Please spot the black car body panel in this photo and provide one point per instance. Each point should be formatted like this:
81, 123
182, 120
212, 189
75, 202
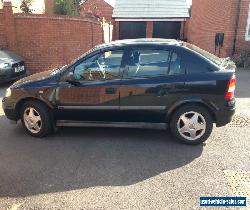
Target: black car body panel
127, 98
14, 67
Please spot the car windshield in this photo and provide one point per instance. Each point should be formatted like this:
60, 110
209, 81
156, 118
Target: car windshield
216, 60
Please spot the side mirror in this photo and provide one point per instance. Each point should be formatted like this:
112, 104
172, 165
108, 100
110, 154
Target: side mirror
69, 77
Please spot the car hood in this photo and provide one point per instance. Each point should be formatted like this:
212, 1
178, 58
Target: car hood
9, 57
34, 78
6, 60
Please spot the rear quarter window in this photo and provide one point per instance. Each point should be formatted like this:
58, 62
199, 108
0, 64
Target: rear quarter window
196, 64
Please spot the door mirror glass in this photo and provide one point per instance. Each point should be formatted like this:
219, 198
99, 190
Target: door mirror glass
68, 77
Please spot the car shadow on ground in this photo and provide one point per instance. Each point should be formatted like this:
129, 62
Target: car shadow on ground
77, 158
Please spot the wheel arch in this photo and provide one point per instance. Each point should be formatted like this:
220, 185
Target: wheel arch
23, 100
209, 107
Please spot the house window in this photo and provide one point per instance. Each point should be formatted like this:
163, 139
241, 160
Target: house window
248, 26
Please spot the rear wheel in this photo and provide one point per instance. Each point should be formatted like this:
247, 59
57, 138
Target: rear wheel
191, 124
36, 118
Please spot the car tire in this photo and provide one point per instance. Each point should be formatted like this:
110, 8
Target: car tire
191, 124
36, 118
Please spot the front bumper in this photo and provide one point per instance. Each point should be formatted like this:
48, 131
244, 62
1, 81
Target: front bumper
9, 109
8, 75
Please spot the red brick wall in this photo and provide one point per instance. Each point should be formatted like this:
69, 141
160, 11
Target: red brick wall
47, 42
209, 17
3, 42
116, 30
149, 29
103, 9
241, 43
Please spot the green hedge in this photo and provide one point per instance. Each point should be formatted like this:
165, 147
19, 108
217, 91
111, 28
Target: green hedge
243, 60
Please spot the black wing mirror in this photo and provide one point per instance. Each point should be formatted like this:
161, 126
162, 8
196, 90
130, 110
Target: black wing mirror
69, 77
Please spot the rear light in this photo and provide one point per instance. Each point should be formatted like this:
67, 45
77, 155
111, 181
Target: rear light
229, 95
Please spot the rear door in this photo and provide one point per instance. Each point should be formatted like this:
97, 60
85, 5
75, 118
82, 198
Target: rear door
203, 79
153, 79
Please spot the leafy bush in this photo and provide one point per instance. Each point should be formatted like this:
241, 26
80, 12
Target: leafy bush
68, 7
243, 60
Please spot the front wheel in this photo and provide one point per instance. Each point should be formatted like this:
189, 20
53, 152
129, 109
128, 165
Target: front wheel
191, 124
36, 118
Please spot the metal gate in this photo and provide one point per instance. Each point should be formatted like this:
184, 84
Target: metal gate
167, 29
132, 29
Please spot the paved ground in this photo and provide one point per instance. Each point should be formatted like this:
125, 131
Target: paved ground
123, 168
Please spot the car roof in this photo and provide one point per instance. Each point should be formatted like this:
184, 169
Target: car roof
150, 41
128, 42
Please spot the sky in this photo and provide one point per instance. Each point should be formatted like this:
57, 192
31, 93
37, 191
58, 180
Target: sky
112, 2
40, 4
37, 6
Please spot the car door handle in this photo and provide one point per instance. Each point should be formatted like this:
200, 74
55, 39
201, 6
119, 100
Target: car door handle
110, 90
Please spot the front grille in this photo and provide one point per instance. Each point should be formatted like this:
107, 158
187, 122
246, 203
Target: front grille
21, 63
16, 74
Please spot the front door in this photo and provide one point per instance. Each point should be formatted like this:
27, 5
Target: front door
96, 95
152, 80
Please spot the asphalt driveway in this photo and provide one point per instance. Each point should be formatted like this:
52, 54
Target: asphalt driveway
102, 168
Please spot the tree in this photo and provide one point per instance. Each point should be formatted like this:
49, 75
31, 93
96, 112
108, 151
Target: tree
68, 7
78, 4
25, 6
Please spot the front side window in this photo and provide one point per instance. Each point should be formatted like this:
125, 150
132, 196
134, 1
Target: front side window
151, 63
102, 66
248, 26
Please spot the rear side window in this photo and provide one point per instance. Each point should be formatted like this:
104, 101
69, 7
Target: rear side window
195, 64
175, 65
151, 63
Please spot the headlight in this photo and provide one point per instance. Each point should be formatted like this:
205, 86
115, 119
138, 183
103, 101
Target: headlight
4, 65
8, 92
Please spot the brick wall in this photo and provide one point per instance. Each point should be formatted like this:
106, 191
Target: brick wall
209, 17
241, 43
47, 42
149, 29
116, 30
3, 42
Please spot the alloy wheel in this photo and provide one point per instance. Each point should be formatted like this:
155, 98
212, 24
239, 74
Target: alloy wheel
32, 120
191, 125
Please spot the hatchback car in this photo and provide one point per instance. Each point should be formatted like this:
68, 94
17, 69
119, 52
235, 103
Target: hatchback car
143, 83
11, 66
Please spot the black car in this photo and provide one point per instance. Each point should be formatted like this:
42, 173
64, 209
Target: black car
11, 66
143, 83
